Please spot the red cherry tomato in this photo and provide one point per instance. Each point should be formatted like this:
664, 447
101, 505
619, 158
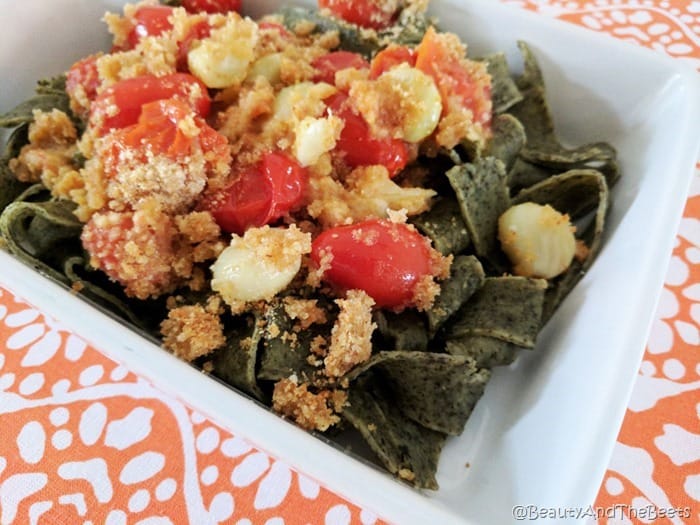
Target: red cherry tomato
288, 180
389, 57
157, 132
149, 20
385, 259
120, 105
445, 64
212, 6
197, 31
376, 14
357, 145
83, 75
273, 26
328, 65
260, 194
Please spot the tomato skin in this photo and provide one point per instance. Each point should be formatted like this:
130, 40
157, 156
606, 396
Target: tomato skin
273, 26
391, 56
288, 181
329, 64
244, 204
157, 132
365, 13
129, 95
435, 57
198, 31
83, 74
357, 145
260, 194
149, 20
212, 6
385, 259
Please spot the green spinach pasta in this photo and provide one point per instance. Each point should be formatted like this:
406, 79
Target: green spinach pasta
337, 212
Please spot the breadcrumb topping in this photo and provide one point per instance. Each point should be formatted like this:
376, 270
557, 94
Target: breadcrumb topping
309, 410
351, 337
191, 332
150, 227
48, 157
305, 311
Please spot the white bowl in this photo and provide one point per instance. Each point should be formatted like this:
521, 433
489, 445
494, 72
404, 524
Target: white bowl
544, 430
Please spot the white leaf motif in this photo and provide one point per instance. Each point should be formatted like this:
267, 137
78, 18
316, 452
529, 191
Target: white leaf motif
274, 487
133, 428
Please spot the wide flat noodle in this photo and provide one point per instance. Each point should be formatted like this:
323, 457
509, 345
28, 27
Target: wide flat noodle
576, 193
444, 225
42, 234
235, 363
405, 448
543, 147
439, 391
504, 90
466, 277
351, 38
524, 174
507, 140
402, 331
10, 187
507, 308
109, 297
486, 352
482, 192
50, 94
285, 351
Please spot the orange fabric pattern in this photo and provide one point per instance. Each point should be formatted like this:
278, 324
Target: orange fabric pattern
84, 440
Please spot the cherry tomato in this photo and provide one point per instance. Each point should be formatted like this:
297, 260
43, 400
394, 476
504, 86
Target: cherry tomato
120, 105
273, 26
149, 20
389, 57
357, 145
157, 132
329, 64
83, 74
446, 65
260, 194
375, 14
385, 259
288, 180
197, 31
111, 238
212, 6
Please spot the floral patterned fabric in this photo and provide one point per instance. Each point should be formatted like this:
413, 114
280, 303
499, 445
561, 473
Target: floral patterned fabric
81, 436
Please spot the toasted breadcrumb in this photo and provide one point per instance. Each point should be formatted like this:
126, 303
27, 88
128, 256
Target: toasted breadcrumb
48, 157
191, 332
155, 55
307, 409
406, 474
319, 346
305, 311
368, 193
351, 337
176, 183
582, 250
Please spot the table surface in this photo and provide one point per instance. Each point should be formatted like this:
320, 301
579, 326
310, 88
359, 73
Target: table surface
121, 472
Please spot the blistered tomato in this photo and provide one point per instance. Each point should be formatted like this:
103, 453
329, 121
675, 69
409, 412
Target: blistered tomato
385, 259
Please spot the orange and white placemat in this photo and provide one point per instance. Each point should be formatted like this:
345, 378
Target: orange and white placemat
81, 437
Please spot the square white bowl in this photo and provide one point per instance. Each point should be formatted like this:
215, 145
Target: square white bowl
544, 430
